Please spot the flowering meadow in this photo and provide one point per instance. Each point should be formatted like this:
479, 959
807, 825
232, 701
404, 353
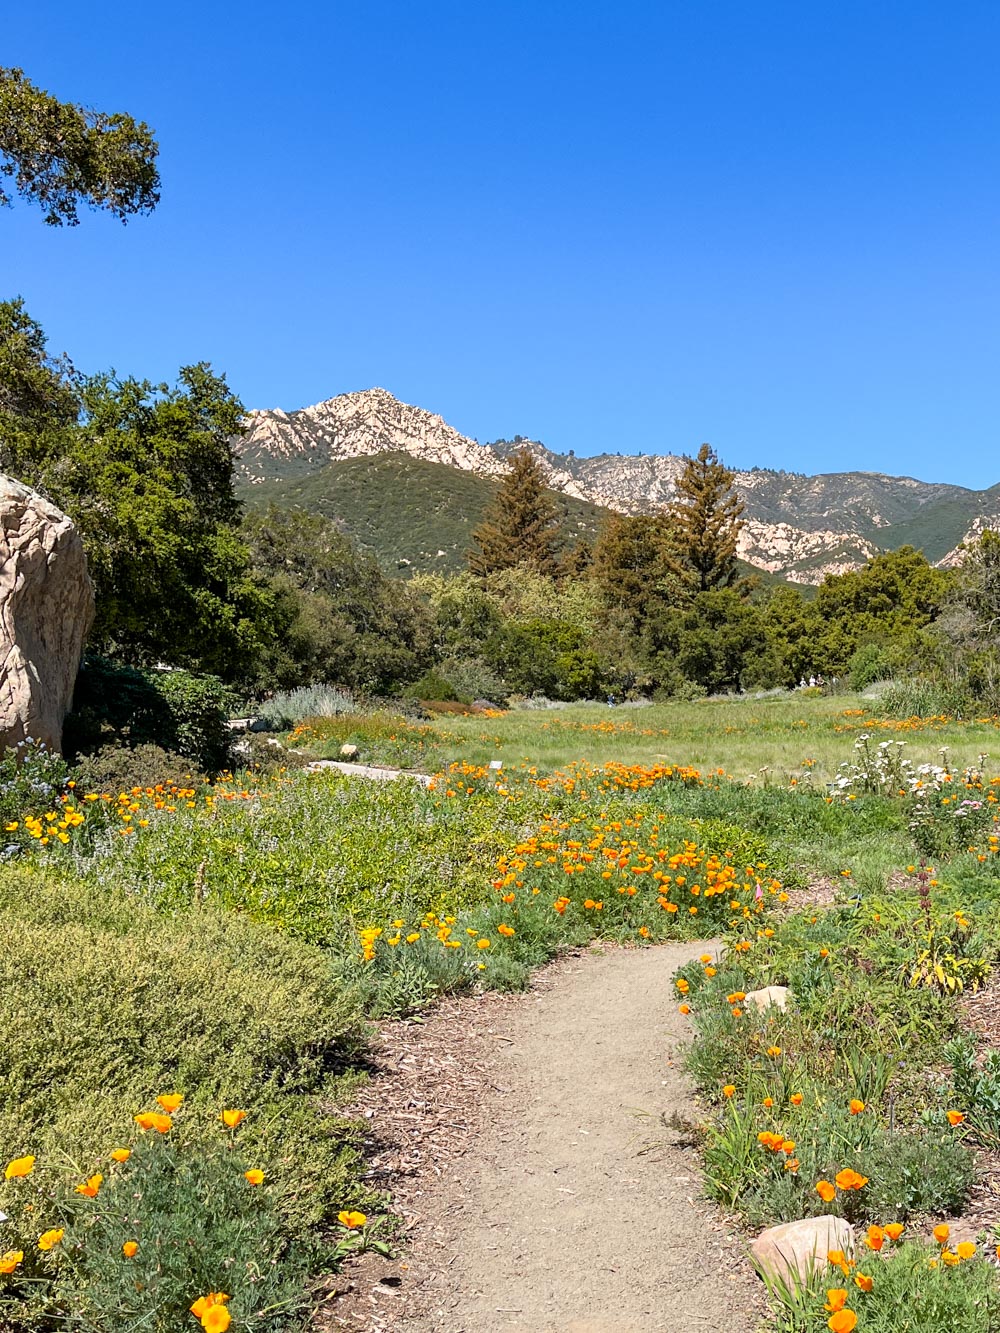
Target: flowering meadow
206, 954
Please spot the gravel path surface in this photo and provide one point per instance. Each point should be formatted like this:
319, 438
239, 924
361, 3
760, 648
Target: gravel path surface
570, 1205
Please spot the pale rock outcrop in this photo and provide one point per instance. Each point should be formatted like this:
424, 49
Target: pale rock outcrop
795, 1250
46, 609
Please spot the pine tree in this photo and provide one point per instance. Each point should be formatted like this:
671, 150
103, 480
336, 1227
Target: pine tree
633, 566
521, 526
706, 518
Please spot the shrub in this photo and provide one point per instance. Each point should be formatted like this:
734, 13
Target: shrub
197, 1223
104, 1004
32, 777
116, 768
283, 710
175, 710
433, 687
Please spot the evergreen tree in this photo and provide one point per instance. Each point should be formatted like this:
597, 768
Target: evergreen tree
60, 155
633, 567
706, 516
521, 526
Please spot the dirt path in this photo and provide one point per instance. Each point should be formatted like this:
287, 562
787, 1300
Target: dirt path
573, 1207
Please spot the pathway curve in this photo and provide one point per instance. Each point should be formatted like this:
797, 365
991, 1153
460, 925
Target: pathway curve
577, 1209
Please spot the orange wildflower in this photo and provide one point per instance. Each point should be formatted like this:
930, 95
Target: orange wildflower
90, 1187
20, 1166
10, 1260
955, 1117
796, 1099
826, 1191
129, 1249
233, 1118
170, 1101
855, 1106
254, 1176
48, 1239
684, 1009
121, 1154
875, 1238
729, 1090
965, 1249
216, 1319
941, 1233
894, 1230
850, 1180
844, 1321
863, 1281
353, 1221
836, 1298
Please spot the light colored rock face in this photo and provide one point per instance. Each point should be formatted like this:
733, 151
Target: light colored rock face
46, 609
803, 527
770, 997
792, 1250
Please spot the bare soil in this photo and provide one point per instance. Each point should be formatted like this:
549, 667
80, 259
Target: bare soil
527, 1142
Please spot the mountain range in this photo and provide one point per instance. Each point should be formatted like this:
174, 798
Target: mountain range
412, 488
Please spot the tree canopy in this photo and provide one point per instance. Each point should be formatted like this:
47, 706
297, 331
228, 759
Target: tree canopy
706, 517
59, 155
521, 525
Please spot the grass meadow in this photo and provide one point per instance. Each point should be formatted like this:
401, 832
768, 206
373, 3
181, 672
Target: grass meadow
189, 969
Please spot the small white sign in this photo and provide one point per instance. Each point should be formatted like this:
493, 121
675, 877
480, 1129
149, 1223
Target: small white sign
496, 764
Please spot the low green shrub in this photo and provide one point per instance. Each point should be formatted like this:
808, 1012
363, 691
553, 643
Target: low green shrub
152, 1235
285, 708
104, 1004
117, 768
32, 779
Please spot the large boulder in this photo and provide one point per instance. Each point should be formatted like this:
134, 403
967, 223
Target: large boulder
46, 609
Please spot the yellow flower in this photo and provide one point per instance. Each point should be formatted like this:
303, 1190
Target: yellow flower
941, 1233
965, 1249
171, 1101
863, 1281
232, 1118
20, 1166
729, 1090
129, 1249
10, 1260
121, 1154
353, 1221
855, 1106
90, 1187
50, 1238
482, 944
894, 1230
254, 1176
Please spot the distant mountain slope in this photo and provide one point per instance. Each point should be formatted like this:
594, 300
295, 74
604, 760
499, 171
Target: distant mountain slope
412, 514
798, 526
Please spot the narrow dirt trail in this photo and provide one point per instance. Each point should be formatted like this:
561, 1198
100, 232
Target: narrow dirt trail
576, 1210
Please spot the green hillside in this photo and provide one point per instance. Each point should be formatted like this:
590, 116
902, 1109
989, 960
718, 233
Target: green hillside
404, 509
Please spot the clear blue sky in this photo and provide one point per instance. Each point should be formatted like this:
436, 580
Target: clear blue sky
769, 224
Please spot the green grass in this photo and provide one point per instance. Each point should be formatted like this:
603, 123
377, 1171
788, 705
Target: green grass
766, 740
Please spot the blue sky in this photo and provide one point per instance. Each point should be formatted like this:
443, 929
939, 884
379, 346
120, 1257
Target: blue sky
771, 225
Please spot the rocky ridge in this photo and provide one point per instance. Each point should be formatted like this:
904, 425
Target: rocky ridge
800, 526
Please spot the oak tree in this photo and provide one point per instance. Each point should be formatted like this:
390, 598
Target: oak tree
59, 155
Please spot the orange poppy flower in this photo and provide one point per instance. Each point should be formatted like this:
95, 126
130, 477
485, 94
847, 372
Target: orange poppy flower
863, 1281
204, 1303
826, 1191
844, 1321
836, 1298
796, 1099
121, 1154
894, 1230
949, 1260
216, 1319
941, 1233
352, 1220
965, 1249
129, 1249
684, 1009
233, 1118
850, 1180
955, 1117
729, 1090
20, 1166
154, 1120
875, 1238
170, 1101
90, 1187
10, 1260
855, 1106
48, 1239
254, 1176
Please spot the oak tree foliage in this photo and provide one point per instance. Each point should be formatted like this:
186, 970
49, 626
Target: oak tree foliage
59, 155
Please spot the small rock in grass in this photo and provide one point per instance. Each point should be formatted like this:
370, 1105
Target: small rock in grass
349, 752
770, 995
793, 1251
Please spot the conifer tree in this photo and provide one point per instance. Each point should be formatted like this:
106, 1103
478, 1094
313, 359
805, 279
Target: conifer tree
633, 565
706, 517
521, 526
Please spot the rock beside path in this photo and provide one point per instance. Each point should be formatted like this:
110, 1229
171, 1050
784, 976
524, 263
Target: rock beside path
792, 1250
46, 609
776, 996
